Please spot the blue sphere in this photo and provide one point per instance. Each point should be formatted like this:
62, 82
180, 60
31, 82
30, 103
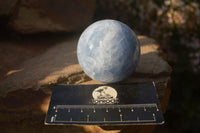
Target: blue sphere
108, 51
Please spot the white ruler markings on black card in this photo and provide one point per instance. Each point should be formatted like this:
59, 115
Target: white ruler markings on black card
104, 106
149, 109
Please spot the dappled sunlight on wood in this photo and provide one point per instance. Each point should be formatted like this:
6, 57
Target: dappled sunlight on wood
45, 104
64, 72
147, 45
146, 49
13, 71
96, 129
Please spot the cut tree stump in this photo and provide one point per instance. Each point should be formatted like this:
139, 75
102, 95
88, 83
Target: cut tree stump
25, 90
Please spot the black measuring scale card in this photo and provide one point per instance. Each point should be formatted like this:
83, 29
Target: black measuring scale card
107, 104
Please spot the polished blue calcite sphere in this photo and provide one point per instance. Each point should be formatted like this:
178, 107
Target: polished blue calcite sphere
108, 51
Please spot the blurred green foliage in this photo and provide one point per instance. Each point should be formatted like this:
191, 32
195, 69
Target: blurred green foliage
175, 24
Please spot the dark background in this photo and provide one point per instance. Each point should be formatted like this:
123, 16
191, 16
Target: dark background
175, 24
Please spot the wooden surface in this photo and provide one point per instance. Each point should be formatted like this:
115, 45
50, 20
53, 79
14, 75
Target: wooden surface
25, 94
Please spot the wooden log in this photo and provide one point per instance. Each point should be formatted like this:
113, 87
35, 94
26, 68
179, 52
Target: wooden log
25, 94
